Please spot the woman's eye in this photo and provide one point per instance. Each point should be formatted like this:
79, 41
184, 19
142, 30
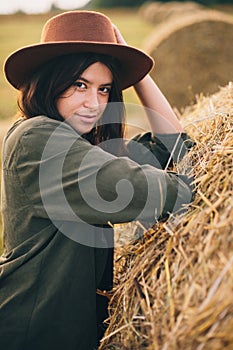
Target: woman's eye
79, 84
105, 90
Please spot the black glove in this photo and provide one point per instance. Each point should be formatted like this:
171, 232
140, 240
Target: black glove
180, 191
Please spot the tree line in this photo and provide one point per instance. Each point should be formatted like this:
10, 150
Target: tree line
135, 3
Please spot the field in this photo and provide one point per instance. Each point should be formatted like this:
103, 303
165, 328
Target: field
20, 30
173, 285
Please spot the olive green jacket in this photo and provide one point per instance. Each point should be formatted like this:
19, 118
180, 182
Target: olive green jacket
60, 196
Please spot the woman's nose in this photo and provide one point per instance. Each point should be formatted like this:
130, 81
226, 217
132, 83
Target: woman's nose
91, 100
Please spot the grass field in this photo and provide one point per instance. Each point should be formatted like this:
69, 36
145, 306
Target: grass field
20, 30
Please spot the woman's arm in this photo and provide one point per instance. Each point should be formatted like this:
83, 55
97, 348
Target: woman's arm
161, 117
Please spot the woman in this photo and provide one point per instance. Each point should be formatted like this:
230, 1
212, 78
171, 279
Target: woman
68, 175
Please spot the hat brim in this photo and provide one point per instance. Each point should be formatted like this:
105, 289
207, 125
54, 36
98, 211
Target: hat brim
21, 64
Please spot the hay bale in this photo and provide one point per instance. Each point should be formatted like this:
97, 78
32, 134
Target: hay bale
156, 12
149, 9
174, 286
193, 54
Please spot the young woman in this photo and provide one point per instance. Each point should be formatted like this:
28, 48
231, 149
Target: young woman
69, 175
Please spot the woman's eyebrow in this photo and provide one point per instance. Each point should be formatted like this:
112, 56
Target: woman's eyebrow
89, 82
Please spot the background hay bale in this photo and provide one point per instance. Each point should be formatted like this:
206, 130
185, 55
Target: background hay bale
193, 54
174, 286
157, 12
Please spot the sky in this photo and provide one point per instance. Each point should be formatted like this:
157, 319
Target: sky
38, 6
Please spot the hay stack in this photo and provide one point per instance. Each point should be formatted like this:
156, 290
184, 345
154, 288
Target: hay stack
193, 54
156, 12
174, 286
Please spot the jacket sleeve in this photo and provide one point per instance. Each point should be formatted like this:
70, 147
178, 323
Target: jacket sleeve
159, 150
64, 177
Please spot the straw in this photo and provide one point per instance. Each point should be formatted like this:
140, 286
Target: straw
174, 285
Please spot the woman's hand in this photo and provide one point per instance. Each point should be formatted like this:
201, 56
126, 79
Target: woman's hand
119, 37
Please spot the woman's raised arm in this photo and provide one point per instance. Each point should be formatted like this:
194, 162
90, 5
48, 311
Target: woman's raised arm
160, 114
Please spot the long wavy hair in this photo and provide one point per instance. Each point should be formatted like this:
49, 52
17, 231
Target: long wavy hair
40, 94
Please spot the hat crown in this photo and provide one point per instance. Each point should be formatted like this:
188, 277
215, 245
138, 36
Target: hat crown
77, 32
85, 26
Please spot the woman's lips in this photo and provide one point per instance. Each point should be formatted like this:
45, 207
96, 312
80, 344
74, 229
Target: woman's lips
86, 118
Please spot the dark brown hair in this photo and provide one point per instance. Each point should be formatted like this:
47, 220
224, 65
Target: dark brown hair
40, 94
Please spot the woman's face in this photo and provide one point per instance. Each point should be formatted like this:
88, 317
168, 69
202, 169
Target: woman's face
83, 103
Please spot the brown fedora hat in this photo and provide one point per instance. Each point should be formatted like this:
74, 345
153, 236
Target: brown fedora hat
76, 32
